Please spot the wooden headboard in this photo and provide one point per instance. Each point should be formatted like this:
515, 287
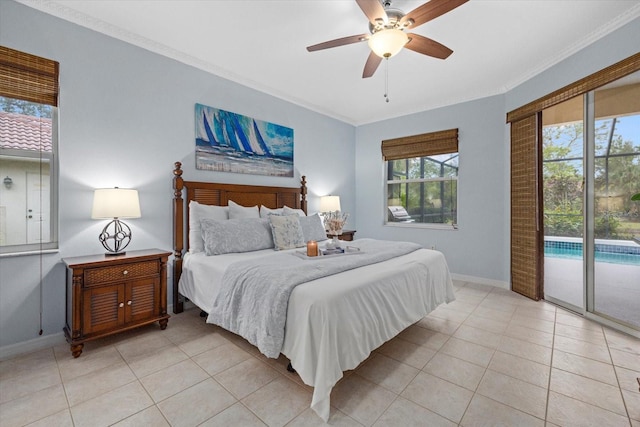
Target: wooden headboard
210, 193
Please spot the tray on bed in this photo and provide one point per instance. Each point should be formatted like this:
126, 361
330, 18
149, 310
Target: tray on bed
349, 250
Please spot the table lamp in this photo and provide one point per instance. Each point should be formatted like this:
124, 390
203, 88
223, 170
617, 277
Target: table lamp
115, 203
329, 204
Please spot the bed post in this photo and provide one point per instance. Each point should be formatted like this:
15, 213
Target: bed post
303, 193
178, 234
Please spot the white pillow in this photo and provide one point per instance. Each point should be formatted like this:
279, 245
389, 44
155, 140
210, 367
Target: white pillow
290, 211
236, 235
312, 228
287, 233
197, 212
265, 211
238, 211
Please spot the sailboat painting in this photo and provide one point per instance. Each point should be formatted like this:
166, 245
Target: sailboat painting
230, 142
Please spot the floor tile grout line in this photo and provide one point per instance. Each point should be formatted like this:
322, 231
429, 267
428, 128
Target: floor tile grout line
553, 345
475, 392
64, 388
593, 379
615, 372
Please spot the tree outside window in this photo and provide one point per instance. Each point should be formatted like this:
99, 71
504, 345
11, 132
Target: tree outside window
617, 178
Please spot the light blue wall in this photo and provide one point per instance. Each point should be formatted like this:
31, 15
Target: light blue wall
478, 247
126, 115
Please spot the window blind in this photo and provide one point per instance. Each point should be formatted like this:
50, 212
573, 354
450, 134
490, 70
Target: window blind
587, 84
526, 230
28, 77
426, 144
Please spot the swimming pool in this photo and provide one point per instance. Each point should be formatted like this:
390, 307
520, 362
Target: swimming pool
605, 251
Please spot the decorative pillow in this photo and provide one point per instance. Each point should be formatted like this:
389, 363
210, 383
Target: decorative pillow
236, 235
286, 230
265, 211
238, 211
290, 211
312, 228
197, 212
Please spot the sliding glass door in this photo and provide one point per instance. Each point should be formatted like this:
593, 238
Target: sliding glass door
563, 200
591, 170
614, 179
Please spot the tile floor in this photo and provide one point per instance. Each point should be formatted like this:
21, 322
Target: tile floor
489, 358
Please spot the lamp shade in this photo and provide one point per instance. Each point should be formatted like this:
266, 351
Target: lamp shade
386, 43
115, 203
329, 203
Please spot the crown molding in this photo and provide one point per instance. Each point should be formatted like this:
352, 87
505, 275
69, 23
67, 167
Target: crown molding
594, 36
54, 8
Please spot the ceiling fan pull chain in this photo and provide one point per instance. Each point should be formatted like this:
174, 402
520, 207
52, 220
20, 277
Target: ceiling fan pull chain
386, 79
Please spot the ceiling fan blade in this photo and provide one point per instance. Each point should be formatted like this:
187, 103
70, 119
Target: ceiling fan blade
373, 61
338, 42
373, 9
430, 10
427, 46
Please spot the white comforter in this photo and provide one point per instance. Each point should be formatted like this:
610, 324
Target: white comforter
333, 323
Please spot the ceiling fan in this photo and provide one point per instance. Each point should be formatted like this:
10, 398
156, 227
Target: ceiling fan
387, 27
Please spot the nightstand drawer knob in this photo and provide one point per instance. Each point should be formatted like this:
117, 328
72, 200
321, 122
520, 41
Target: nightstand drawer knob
128, 302
121, 304
125, 272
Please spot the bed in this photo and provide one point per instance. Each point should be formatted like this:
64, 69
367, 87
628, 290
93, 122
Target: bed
331, 322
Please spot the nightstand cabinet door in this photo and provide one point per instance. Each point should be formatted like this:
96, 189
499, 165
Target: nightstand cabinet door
142, 299
103, 308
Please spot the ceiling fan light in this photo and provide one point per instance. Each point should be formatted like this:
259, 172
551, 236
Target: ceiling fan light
386, 43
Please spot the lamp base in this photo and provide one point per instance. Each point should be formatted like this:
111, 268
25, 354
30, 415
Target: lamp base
114, 253
119, 236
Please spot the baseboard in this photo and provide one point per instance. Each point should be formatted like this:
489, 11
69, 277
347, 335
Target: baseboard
40, 343
481, 280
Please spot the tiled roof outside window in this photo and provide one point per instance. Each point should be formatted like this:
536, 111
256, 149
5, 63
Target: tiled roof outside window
22, 132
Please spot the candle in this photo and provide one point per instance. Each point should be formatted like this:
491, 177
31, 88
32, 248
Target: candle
312, 248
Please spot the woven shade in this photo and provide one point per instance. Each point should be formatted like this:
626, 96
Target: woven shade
526, 234
587, 84
426, 144
28, 77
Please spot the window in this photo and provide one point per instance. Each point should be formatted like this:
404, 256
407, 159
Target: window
28, 152
617, 173
422, 179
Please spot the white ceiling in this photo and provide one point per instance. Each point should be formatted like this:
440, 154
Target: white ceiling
497, 45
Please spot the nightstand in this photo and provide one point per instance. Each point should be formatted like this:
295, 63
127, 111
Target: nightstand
347, 235
110, 294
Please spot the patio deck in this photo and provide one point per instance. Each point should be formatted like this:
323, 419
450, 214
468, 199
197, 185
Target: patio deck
617, 287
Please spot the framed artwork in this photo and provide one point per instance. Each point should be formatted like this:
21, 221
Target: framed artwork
230, 142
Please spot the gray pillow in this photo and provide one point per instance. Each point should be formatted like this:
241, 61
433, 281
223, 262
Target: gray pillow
236, 235
237, 211
265, 212
286, 210
287, 233
312, 228
197, 212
